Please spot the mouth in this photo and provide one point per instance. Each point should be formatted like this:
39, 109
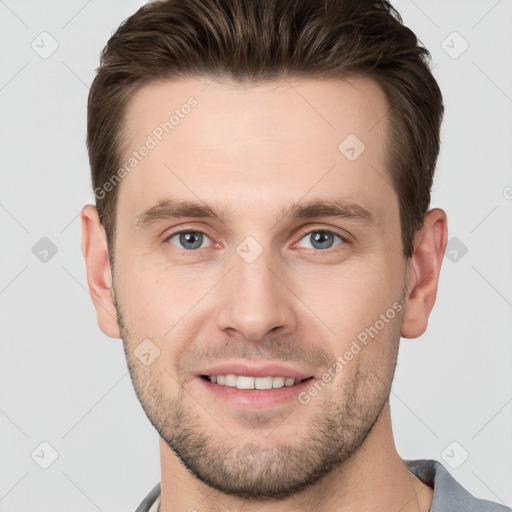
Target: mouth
247, 382
254, 385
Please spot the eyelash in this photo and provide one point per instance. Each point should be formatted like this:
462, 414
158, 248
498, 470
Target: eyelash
343, 239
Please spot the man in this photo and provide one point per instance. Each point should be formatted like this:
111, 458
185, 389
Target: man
261, 240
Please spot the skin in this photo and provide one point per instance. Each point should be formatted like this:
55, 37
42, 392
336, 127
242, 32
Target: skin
255, 150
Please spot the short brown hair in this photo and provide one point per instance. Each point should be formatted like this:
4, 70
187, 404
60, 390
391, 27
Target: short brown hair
252, 41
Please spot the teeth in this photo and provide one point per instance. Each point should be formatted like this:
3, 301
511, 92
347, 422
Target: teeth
230, 380
263, 382
278, 382
245, 382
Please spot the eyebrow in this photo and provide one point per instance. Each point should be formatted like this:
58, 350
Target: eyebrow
168, 209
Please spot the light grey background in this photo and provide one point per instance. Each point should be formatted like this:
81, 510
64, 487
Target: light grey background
65, 383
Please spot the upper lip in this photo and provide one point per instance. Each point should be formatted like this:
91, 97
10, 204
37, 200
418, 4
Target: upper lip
251, 370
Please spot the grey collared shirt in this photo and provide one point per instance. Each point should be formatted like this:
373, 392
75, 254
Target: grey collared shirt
449, 495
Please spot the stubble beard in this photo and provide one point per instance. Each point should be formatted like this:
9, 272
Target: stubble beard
252, 469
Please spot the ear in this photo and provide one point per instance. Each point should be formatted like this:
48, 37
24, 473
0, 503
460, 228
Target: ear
423, 270
99, 275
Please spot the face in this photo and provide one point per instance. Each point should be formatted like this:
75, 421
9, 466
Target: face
257, 242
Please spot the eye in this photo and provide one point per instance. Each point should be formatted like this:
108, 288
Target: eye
322, 239
189, 240
319, 239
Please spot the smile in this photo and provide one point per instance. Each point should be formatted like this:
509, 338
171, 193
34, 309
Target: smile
248, 382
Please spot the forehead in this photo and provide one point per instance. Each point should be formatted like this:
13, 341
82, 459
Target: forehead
318, 108
261, 143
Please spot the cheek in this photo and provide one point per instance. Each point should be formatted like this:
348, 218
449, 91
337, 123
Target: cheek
152, 296
349, 297
164, 305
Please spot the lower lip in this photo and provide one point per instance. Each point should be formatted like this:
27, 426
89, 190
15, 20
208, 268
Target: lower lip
256, 398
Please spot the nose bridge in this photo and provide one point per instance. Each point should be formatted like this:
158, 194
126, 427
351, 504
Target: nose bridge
255, 300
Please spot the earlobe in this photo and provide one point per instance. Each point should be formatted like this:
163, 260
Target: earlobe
99, 275
423, 272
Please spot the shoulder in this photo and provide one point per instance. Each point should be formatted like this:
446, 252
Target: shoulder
449, 495
151, 501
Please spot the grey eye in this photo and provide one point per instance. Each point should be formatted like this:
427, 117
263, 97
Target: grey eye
189, 240
321, 239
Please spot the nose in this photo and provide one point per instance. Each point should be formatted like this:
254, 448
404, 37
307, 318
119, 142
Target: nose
256, 300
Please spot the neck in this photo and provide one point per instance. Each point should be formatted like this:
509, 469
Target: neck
373, 478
